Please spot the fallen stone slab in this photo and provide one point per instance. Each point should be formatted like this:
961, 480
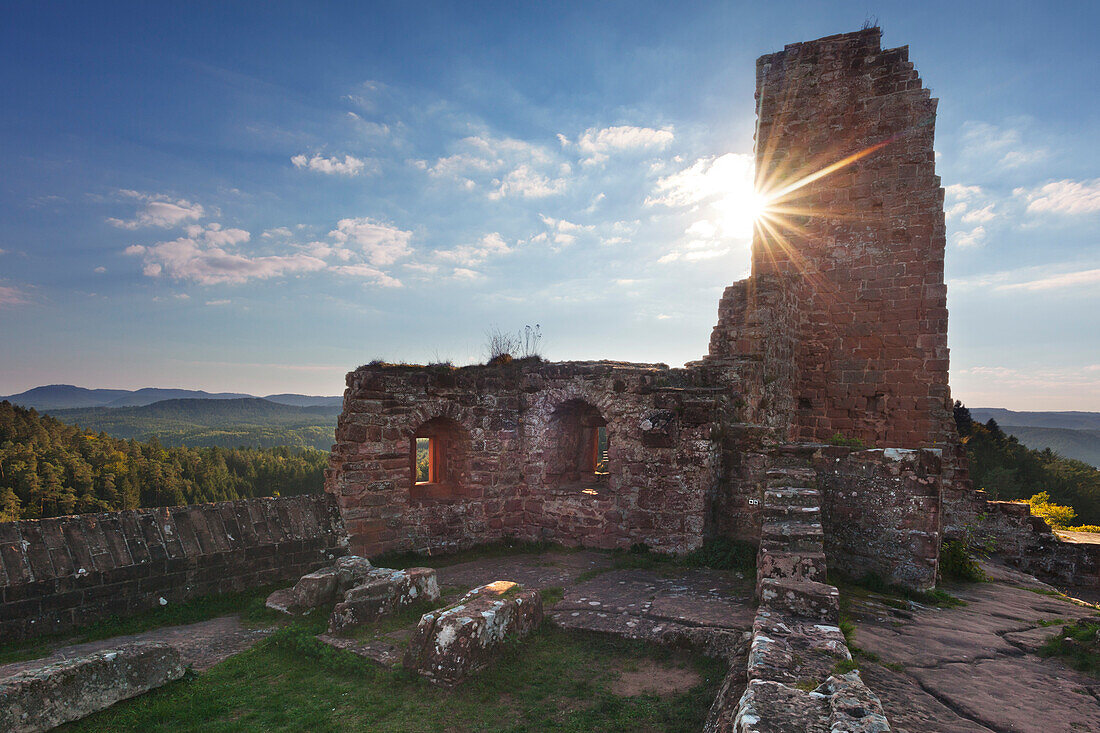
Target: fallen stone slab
383, 592
322, 587
44, 698
451, 643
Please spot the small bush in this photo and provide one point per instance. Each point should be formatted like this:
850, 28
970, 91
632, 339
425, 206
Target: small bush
1085, 528
1056, 515
841, 440
722, 553
957, 564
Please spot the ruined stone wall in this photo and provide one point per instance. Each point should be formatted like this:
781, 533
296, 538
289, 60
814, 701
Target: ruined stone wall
63, 572
882, 512
660, 468
859, 251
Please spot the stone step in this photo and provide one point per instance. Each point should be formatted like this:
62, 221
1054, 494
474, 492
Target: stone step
798, 477
792, 496
785, 564
796, 535
786, 512
801, 598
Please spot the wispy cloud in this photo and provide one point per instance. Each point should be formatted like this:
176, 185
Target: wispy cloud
1032, 279
158, 210
502, 167
10, 296
202, 259
1062, 197
367, 272
597, 145
1001, 146
971, 239
705, 180
491, 245
348, 166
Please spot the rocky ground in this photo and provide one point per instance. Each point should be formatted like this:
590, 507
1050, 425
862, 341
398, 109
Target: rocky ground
973, 668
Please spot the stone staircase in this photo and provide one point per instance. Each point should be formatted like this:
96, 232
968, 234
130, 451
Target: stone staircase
793, 682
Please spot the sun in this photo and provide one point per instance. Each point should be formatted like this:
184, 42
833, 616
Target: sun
738, 210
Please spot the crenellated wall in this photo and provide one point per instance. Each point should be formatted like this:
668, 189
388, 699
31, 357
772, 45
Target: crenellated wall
63, 572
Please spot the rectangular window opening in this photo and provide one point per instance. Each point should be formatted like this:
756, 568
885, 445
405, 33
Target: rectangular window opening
425, 461
601, 450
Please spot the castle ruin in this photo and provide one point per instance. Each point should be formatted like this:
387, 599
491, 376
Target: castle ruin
840, 332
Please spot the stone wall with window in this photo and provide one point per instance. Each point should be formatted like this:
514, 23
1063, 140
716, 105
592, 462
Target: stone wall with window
601, 454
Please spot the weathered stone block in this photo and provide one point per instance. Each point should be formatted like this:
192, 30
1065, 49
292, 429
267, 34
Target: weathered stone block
383, 592
47, 697
450, 644
804, 598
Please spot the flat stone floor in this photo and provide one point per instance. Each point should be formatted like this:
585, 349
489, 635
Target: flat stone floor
201, 645
972, 669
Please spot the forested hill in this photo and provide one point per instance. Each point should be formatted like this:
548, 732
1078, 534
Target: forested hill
226, 423
1007, 469
49, 468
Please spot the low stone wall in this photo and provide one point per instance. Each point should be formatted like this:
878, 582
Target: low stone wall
63, 572
882, 512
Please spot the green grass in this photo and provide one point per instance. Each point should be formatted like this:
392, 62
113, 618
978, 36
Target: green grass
1078, 645
719, 553
502, 548
249, 604
554, 681
896, 596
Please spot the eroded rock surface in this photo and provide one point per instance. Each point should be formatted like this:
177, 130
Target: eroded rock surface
43, 698
451, 643
972, 668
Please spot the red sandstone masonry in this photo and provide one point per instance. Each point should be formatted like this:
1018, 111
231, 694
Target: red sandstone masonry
865, 325
63, 572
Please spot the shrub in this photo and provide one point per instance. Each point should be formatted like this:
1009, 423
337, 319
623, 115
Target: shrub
1056, 515
956, 563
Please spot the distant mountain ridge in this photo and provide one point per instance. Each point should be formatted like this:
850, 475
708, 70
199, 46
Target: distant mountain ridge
1070, 434
226, 423
1070, 419
67, 396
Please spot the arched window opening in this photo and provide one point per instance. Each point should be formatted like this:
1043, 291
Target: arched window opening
437, 455
580, 444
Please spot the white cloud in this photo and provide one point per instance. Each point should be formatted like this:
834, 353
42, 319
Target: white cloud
1060, 281
503, 166
369, 273
1002, 146
491, 245
527, 183
215, 235
349, 166
199, 260
597, 145
11, 296
974, 238
277, 232
382, 243
224, 301
100, 270
159, 210
1062, 197
462, 273
979, 216
706, 180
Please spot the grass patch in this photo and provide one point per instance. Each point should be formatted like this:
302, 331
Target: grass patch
407, 617
895, 596
503, 548
958, 565
554, 681
718, 553
250, 604
551, 595
1078, 645
845, 666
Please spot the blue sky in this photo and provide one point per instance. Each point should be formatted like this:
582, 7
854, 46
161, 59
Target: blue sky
260, 198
